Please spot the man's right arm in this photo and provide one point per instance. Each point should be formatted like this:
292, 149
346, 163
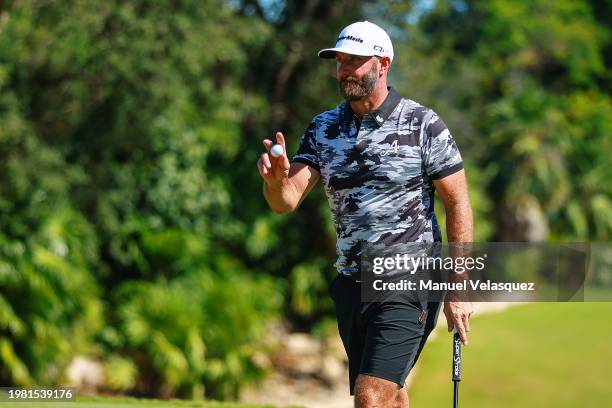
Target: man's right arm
285, 185
286, 195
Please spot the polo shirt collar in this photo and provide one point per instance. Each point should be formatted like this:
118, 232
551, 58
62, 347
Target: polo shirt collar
382, 113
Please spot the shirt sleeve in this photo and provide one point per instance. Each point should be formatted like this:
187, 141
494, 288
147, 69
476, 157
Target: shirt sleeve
440, 152
307, 151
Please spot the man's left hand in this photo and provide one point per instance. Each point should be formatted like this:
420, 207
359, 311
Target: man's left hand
458, 316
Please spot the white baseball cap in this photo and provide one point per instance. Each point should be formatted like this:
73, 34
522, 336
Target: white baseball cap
361, 38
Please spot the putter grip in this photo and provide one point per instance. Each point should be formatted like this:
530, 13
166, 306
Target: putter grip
456, 357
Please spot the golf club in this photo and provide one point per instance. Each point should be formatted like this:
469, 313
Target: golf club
456, 366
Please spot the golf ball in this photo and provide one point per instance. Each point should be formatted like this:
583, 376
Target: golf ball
276, 150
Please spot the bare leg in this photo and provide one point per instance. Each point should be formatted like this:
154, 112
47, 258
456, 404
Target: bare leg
401, 401
374, 392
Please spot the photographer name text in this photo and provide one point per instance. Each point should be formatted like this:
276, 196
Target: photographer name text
468, 284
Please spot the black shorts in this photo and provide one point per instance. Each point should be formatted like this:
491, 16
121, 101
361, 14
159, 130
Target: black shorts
381, 339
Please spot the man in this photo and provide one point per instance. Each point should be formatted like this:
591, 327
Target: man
380, 156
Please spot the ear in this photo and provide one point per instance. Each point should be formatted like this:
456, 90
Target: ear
385, 64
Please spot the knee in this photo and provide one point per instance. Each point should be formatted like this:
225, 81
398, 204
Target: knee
368, 397
375, 393
401, 400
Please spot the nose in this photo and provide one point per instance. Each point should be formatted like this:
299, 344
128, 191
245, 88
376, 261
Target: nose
344, 69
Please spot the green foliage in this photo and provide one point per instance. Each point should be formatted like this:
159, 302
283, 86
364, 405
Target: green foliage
50, 307
110, 115
524, 89
198, 329
309, 284
121, 373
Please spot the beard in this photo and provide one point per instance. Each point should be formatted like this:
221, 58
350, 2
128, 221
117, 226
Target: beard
353, 89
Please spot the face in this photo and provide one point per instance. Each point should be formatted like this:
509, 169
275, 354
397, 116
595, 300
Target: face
357, 76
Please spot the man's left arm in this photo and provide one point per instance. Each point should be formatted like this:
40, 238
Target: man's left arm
453, 191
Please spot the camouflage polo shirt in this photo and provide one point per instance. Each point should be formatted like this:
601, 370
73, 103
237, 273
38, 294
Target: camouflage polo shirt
378, 173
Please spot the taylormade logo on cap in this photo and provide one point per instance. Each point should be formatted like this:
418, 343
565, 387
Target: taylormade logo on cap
361, 38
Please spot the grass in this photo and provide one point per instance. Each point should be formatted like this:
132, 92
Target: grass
122, 402
537, 355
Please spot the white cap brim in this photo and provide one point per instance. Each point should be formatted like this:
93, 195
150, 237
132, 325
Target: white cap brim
331, 52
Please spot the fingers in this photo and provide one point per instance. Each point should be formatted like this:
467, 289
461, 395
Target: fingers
449, 321
283, 160
280, 139
269, 165
462, 332
265, 160
264, 166
267, 144
457, 317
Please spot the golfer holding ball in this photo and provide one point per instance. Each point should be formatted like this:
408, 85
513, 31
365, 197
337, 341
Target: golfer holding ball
381, 158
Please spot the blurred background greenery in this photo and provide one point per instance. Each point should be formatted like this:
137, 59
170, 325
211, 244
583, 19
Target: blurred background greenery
132, 225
